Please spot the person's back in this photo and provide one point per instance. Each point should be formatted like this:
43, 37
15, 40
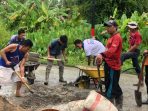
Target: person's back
93, 47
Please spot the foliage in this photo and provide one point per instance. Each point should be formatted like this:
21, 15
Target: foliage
46, 20
104, 8
32, 14
143, 28
4, 35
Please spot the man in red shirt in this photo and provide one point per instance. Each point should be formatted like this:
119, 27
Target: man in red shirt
112, 64
133, 52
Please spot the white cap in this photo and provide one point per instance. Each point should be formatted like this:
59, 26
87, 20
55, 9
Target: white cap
132, 25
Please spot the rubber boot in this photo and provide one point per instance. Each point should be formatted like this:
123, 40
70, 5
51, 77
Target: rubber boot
119, 102
48, 69
61, 71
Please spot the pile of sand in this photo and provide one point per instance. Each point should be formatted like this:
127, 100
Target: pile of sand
5, 105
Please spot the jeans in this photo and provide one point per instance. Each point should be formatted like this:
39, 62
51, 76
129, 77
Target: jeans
134, 56
113, 89
49, 66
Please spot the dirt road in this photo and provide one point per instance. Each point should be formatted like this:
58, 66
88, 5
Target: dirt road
55, 93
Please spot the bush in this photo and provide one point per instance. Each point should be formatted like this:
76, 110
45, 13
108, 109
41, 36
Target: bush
4, 35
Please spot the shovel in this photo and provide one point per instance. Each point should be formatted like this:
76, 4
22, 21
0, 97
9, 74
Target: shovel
138, 95
27, 86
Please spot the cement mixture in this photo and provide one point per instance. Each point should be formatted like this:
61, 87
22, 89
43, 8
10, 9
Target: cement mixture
45, 96
56, 93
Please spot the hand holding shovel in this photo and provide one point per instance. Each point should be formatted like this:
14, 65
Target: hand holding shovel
138, 95
28, 87
49, 58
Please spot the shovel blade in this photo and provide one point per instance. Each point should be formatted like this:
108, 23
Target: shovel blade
31, 91
138, 98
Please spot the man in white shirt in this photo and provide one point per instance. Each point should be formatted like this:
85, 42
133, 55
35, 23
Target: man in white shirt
91, 47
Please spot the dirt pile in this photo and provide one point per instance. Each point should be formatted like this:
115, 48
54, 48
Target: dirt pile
5, 105
44, 96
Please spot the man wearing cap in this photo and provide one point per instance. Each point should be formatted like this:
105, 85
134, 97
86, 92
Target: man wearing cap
112, 64
133, 52
56, 50
91, 47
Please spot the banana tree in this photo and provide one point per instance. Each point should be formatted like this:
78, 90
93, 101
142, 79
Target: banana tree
31, 14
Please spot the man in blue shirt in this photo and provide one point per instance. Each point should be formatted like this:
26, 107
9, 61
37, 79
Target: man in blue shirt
56, 50
19, 38
17, 55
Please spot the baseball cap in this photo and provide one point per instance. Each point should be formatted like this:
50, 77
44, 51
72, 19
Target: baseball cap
132, 25
111, 23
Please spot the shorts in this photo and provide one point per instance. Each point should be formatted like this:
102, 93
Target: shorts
8, 75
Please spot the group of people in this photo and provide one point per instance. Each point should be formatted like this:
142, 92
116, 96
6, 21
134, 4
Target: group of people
113, 57
16, 52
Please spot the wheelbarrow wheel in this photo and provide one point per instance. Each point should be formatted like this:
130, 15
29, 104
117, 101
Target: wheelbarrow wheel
30, 81
83, 82
30, 77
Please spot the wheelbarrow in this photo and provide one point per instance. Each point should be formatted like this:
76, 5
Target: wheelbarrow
88, 74
30, 66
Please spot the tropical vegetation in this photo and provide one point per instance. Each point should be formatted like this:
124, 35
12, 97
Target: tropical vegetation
46, 20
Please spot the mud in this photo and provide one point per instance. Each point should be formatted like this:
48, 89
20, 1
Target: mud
45, 96
57, 93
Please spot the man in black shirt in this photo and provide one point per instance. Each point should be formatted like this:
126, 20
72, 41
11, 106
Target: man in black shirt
56, 50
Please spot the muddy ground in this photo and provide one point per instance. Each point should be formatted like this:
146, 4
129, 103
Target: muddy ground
57, 93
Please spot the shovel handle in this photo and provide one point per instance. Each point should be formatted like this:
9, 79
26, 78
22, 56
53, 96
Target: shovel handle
28, 87
22, 80
49, 58
54, 59
99, 79
141, 73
